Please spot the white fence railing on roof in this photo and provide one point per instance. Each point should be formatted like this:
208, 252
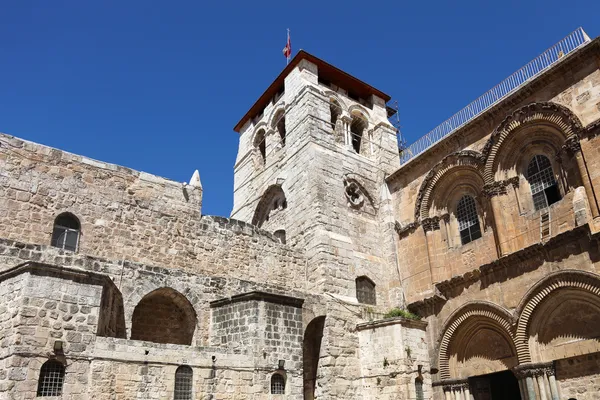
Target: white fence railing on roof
534, 68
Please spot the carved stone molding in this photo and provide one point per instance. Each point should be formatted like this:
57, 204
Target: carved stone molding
449, 385
464, 158
406, 229
500, 187
547, 112
571, 145
431, 224
524, 370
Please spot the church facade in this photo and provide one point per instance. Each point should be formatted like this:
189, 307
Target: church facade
346, 270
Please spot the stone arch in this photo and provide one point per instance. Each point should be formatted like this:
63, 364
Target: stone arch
358, 111
333, 96
164, 316
462, 332
259, 142
562, 286
273, 199
277, 123
559, 122
463, 160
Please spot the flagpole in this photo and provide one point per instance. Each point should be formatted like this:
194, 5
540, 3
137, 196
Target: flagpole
287, 60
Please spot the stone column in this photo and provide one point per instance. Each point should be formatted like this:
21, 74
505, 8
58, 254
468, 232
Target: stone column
573, 148
456, 389
535, 381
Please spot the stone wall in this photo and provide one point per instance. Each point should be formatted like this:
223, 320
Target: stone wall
393, 355
429, 248
129, 215
579, 377
317, 170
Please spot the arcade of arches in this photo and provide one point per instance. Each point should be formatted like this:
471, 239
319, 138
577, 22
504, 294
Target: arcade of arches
487, 352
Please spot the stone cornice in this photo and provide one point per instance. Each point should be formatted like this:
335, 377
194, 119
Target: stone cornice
42, 269
409, 323
259, 296
406, 229
448, 287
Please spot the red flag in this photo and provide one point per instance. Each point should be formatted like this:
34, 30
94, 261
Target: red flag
287, 50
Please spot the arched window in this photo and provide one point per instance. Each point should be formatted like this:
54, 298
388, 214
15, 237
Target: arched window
335, 111
66, 232
419, 388
183, 383
279, 122
52, 378
544, 188
261, 143
365, 290
468, 223
277, 384
357, 128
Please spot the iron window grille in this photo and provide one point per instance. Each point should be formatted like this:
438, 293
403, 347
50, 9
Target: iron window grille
468, 223
277, 384
544, 188
365, 290
65, 234
52, 378
183, 383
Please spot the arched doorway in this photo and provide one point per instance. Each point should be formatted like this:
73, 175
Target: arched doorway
477, 349
311, 350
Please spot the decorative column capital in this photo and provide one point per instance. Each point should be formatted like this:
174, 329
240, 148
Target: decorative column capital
499, 187
534, 370
449, 385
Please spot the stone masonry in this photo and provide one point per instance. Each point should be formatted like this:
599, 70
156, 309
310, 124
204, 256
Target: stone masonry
341, 273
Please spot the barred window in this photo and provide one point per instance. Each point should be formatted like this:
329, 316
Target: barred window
544, 188
468, 223
419, 388
277, 384
365, 290
183, 383
52, 377
66, 232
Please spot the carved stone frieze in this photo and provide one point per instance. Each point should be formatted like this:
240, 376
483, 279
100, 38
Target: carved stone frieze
500, 187
533, 370
406, 229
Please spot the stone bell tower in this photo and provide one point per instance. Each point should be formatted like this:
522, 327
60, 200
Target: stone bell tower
314, 151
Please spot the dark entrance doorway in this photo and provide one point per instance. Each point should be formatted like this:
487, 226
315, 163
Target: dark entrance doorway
311, 351
499, 386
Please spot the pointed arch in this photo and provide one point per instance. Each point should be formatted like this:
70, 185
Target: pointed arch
273, 199
562, 283
164, 316
473, 321
278, 124
561, 121
466, 160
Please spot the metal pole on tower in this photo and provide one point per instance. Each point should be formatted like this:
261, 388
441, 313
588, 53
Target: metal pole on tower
288, 43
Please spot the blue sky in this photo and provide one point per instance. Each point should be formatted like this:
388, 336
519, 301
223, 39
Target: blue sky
158, 86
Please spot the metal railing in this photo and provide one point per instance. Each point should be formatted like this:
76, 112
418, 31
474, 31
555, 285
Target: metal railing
547, 59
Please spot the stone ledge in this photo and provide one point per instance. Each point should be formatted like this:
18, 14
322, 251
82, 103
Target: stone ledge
408, 323
445, 288
260, 296
42, 269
